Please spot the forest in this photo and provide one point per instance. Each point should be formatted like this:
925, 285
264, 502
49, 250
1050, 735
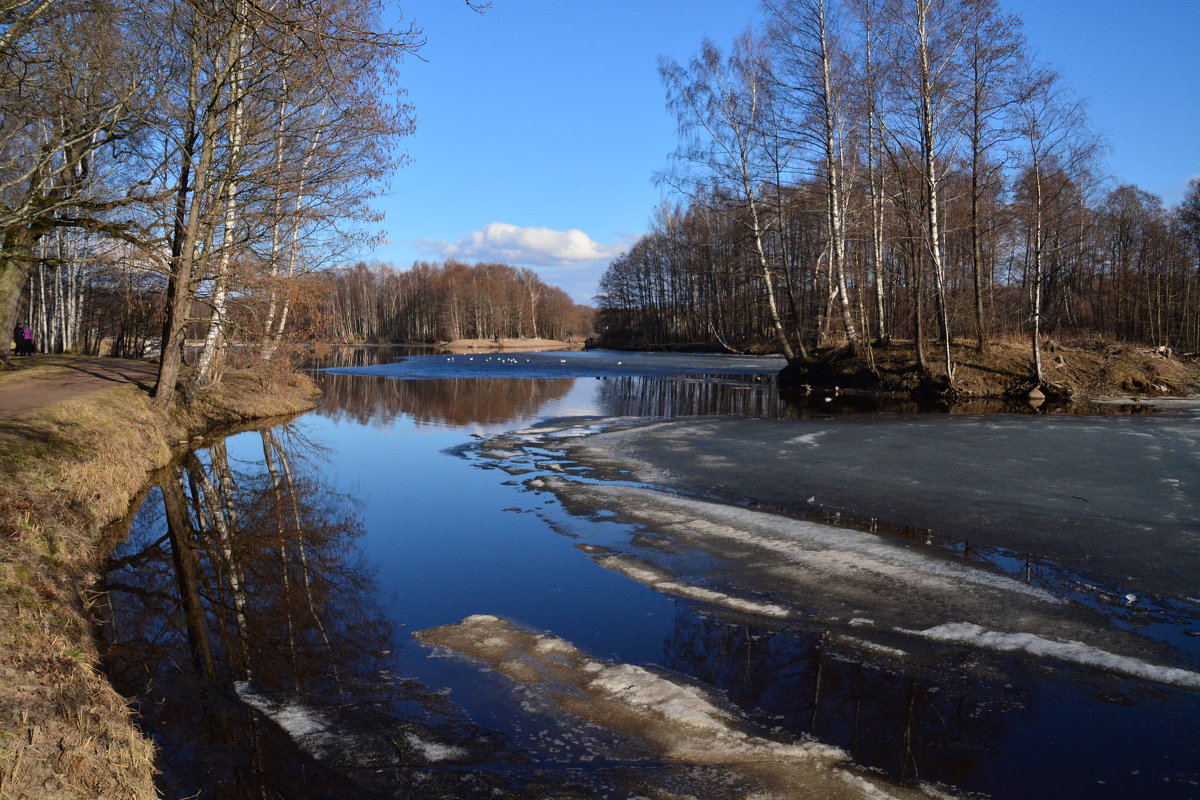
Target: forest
444, 302
858, 172
174, 171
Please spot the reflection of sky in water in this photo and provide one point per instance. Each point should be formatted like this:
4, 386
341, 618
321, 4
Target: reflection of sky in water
450, 539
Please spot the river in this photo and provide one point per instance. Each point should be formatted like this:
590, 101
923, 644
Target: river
615, 575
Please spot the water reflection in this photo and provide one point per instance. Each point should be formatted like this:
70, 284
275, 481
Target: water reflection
909, 725
240, 585
489, 401
449, 401
635, 396
363, 355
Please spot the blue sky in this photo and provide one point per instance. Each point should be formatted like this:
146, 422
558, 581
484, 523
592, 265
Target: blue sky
542, 123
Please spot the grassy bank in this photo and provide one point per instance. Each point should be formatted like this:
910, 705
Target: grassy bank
1082, 369
67, 470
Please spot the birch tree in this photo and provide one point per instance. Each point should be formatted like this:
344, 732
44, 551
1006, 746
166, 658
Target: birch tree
993, 54
280, 132
872, 85
720, 103
1057, 147
927, 36
809, 67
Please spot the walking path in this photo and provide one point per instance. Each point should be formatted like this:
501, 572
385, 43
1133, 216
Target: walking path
38, 381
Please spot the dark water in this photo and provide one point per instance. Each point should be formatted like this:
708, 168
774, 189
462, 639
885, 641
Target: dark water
271, 583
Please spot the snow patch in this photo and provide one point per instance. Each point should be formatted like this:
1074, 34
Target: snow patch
683, 720
434, 751
819, 549
822, 548
681, 705
874, 647
721, 599
303, 724
809, 439
661, 582
632, 569
1070, 651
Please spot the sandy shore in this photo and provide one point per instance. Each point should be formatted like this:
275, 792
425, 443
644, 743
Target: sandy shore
497, 345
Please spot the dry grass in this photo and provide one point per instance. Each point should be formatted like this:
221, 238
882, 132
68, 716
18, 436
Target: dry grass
66, 471
1081, 369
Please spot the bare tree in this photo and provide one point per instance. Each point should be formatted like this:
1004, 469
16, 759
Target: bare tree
992, 54
67, 90
1057, 147
720, 103
927, 37
810, 68
278, 134
872, 85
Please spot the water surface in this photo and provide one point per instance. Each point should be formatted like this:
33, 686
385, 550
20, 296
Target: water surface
262, 605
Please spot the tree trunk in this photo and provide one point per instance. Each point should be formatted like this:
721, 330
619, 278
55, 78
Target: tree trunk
183, 553
16, 266
932, 223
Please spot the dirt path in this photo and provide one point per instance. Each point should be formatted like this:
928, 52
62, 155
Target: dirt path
44, 380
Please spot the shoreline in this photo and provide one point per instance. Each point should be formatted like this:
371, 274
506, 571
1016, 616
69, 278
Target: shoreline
1073, 371
69, 470
501, 345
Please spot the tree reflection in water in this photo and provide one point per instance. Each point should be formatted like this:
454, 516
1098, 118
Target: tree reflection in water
908, 725
245, 577
359, 355
449, 401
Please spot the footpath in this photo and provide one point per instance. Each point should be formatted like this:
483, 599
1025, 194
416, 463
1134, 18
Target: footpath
33, 382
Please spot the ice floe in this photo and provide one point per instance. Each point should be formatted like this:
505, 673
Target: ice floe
1070, 651
814, 572
434, 751
662, 582
306, 727
681, 721
822, 549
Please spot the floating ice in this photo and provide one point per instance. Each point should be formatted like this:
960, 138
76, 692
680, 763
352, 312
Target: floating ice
661, 582
303, 724
1075, 652
874, 646
821, 549
808, 438
434, 751
683, 722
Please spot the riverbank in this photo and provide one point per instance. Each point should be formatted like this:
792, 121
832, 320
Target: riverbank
499, 345
67, 469
1073, 370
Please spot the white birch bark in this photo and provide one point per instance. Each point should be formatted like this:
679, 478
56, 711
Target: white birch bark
214, 339
833, 189
931, 178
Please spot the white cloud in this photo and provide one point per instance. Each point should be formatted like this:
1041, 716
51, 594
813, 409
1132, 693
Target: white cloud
500, 241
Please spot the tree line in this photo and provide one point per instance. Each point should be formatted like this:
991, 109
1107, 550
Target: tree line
175, 169
433, 302
860, 171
